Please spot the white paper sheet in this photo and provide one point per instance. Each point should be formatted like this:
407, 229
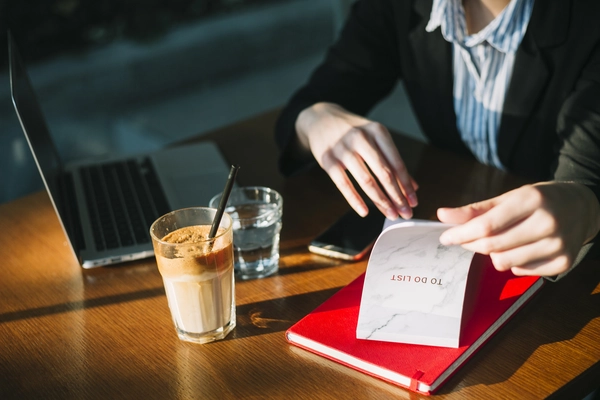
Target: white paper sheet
414, 287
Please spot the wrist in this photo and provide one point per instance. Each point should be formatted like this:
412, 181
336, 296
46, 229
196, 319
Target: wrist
593, 211
306, 121
587, 200
312, 118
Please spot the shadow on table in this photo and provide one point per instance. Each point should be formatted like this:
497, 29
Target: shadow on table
80, 305
276, 315
97, 280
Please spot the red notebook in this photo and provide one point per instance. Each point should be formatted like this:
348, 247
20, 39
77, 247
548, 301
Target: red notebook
492, 298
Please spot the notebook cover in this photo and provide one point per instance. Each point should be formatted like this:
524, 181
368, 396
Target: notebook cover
330, 330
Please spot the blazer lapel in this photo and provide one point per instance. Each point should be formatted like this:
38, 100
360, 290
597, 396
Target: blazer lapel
432, 62
547, 27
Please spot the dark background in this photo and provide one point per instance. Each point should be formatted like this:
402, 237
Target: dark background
48, 28
128, 76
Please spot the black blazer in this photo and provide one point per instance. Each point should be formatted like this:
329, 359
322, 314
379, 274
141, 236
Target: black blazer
550, 126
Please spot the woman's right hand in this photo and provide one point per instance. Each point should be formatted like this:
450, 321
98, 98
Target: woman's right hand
341, 141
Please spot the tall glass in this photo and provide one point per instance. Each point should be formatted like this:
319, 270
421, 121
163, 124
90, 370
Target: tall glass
197, 272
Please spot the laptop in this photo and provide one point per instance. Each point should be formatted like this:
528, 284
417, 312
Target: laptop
106, 206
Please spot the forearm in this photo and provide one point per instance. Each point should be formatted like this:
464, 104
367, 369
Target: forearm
588, 200
578, 128
591, 223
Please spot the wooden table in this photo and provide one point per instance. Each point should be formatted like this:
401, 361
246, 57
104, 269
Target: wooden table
107, 333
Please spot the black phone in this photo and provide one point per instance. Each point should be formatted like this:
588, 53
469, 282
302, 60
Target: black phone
350, 237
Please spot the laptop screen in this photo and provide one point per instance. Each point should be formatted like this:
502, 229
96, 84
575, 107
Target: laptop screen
36, 131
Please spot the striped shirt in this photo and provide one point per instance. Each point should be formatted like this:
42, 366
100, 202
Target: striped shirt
483, 64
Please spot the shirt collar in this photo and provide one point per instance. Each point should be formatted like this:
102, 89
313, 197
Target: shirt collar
437, 15
504, 33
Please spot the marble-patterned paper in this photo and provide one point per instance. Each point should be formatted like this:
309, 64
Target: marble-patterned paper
414, 287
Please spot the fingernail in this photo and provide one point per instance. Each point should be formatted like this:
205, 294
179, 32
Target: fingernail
390, 213
363, 211
406, 212
412, 200
445, 239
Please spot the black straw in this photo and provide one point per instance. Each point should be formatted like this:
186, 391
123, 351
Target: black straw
223, 202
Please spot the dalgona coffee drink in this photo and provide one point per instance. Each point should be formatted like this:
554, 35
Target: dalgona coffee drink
198, 276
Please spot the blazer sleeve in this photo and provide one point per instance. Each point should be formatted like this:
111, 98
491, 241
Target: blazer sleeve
359, 69
579, 132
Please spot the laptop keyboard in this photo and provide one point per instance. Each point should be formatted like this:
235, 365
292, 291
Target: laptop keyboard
124, 198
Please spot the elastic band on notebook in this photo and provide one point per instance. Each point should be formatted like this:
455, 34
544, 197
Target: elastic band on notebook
414, 381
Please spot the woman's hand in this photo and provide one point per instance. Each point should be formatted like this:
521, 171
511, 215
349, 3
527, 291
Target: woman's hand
341, 141
533, 230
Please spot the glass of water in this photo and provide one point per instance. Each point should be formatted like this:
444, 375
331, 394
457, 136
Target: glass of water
256, 213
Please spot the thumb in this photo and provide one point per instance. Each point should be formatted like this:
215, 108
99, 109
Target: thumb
460, 215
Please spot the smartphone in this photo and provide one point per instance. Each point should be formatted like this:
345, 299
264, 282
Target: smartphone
351, 237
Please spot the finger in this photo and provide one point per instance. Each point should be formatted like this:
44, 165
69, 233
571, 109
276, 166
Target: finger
538, 226
390, 152
336, 171
371, 187
486, 218
541, 250
370, 154
355, 165
454, 215
415, 185
461, 215
549, 267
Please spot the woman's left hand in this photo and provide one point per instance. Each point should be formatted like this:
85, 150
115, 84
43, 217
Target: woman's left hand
533, 230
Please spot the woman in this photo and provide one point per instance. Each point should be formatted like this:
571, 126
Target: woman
513, 83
